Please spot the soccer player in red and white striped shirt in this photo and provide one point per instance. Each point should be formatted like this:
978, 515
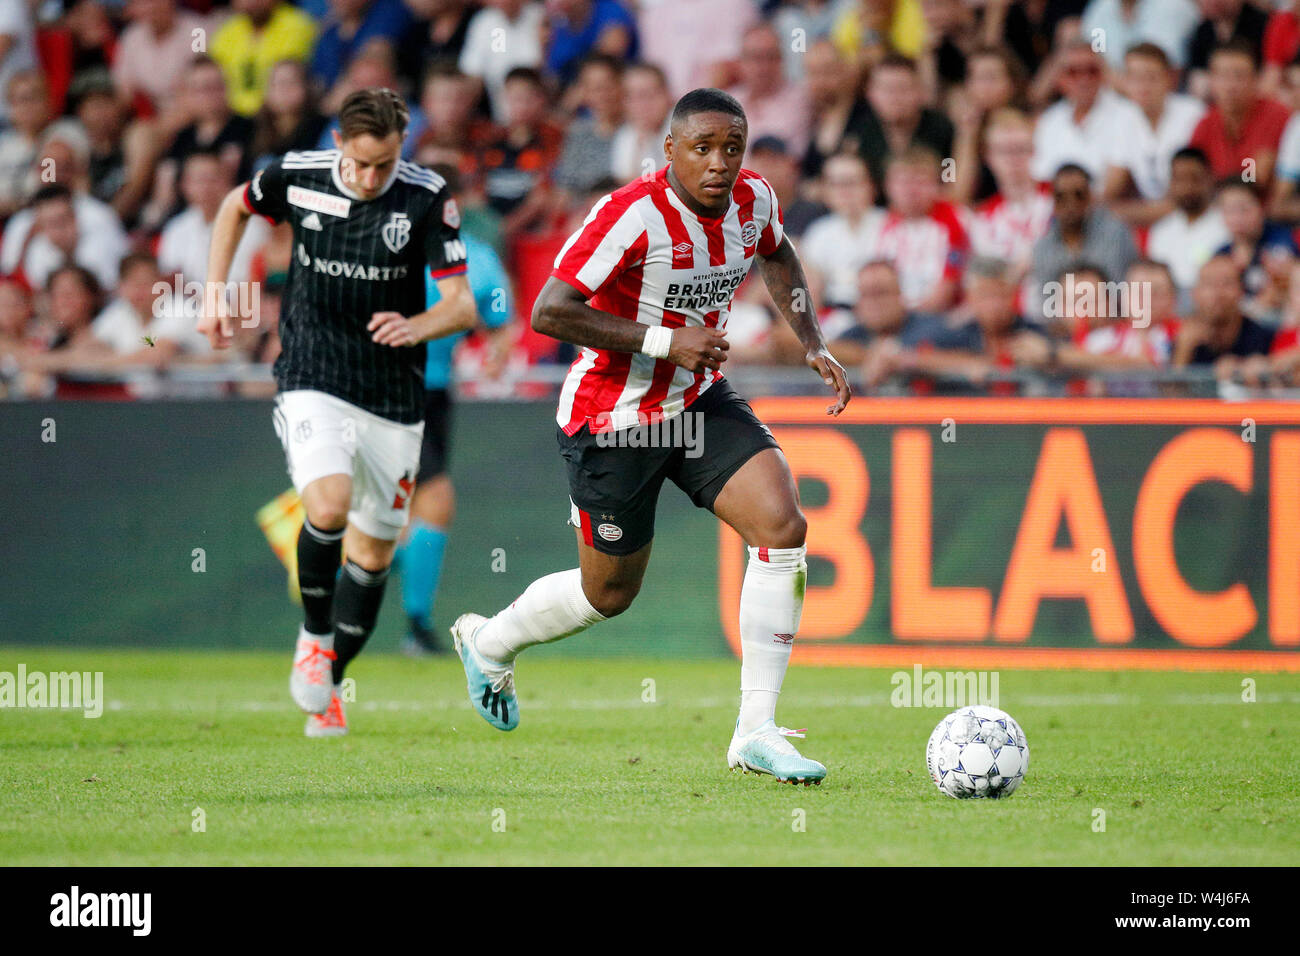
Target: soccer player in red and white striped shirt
645, 288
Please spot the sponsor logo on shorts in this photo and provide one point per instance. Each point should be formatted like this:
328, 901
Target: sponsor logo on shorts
610, 532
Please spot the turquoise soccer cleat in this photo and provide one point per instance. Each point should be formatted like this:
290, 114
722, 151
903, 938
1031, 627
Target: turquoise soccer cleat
767, 749
491, 685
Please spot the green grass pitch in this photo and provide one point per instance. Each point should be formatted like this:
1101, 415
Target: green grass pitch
1185, 772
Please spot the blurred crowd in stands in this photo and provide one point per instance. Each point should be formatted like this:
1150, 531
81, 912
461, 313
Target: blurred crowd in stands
1096, 190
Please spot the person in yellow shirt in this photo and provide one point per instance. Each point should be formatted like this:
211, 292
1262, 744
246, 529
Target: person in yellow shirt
259, 35
865, 33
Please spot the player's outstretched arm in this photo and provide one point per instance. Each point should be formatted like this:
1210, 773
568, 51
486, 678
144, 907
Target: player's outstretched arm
788, 287
562, 312
227, 230
454, 312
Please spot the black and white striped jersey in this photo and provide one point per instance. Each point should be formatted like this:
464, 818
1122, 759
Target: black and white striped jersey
351, 259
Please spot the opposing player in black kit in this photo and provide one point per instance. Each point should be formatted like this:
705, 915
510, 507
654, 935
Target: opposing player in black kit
366, 224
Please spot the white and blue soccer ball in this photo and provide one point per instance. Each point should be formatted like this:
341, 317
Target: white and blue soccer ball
977, 752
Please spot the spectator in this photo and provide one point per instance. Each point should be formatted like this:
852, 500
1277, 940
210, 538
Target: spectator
1260, 249
17, 48
951, 34
994, 82
61, 228
183, 245
1285, 203
882, 326
15, 334
1194, 230
453, 132
838, 109
1282, 365
869, 30
692, 55
353, 26
985, 344
1079, 231
771, 159
1164, 24
121, 158
1084, 125
153, 54
922, 234
519, 162
209, 126
1218, 333
503, 35
838, 245
581, 27
1224, 21
288, 118
1155, 123
1008, 224
1281, 44
1242, 130
897, 118
437, 35
812, 21
638, 146
587, 155
247, 47
773, 105
28, 100
72, 297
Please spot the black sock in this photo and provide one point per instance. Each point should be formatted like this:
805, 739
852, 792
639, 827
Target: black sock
356, 608
318, 568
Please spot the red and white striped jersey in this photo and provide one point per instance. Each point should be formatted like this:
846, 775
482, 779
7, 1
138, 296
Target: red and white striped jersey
1008, 230
926, 251
644, 256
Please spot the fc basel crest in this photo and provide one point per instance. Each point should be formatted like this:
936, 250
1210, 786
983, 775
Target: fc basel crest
396, 232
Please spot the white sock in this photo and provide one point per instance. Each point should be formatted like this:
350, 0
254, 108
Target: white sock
551, 608
771, 602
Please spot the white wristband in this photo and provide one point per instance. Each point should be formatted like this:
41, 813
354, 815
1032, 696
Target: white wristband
658, 340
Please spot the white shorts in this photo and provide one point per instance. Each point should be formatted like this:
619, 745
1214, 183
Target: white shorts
323, 435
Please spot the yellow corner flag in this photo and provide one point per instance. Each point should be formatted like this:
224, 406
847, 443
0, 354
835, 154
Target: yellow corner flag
280, 520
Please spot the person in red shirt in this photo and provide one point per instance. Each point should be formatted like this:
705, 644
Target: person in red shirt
1241, 132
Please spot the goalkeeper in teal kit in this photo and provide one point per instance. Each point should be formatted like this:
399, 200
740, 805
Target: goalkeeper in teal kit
419, 557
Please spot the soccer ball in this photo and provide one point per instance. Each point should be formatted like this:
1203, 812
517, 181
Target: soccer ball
977, 752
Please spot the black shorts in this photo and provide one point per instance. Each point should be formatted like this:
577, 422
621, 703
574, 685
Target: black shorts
435, 448
615, 477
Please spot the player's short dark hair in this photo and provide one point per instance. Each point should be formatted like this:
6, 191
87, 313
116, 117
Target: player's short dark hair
1237, 46
1152, 51
54, 191
706, 99
378, 112
1194, 153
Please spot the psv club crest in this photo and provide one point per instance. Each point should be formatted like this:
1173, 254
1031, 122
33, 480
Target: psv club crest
396, 233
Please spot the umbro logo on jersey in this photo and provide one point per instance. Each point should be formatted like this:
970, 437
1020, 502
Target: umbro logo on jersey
312, 222
396, 232
684, 252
